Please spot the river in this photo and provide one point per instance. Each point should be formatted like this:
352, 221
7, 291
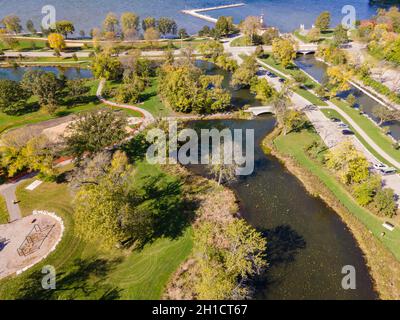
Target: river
308, 244
86, 14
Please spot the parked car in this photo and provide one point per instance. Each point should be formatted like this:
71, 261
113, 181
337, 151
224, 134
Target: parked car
347, 132
387, 171
342, 125
380, 166
333, 119
281, 80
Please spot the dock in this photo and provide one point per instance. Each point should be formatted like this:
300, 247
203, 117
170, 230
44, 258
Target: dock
197, 12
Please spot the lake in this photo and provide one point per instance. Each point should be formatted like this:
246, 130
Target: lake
286, 15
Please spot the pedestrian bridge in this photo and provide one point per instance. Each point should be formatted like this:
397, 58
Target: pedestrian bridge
260, 110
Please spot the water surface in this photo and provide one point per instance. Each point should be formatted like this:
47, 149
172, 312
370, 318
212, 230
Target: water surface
16, 74
287, 15
308, 244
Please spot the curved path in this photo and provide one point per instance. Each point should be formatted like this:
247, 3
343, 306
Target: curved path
148, 118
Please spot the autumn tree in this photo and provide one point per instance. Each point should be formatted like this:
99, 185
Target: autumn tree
93, 131
323, 21
283, 51
56, 42
314, 35
250, 27
129, 25
211, 49
339, 77
228, 255
185, 88
349, 163
111, 23
107, 67
269, 35
384, 203
149, 22
263, 90
292, 120
12, 24
151, 35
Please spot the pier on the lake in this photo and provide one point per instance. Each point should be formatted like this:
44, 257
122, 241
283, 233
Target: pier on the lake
197, 12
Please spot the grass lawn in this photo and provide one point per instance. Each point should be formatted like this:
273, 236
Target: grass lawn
241, 42
26, 45
3, 211
86, 272
333, 113
10, 122
301, 37
294, 145
370, 129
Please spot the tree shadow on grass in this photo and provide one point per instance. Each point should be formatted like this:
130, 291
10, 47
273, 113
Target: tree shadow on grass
171, 211
83, 280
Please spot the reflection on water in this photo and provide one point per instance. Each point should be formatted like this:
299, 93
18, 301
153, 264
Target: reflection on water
16, 74
308, 244
317, 69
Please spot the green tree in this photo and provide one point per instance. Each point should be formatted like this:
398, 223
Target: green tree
13, 98
245, 75
384, 203
31, 27
182, 33
351, 100
283, 51
107, 67
340, 35
166, 26
225, 26
65, 27
94, 131
45, 86
323, 21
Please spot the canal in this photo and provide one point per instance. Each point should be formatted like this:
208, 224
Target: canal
317, 69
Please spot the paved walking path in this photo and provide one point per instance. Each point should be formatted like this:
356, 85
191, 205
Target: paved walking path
147, 116
7, 190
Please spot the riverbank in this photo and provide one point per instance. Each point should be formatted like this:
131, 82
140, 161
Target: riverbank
383, 266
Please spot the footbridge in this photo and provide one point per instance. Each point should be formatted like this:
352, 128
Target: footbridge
307, 48
256, 111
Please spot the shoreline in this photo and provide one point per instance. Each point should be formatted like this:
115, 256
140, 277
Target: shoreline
377, 258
